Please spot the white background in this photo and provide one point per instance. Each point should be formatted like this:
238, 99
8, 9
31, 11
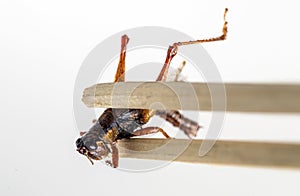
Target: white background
42, 45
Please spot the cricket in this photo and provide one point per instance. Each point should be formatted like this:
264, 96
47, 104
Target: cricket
100, 141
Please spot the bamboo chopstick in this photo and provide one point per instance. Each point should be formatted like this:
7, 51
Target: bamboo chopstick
223, 152
281, 98
185, 96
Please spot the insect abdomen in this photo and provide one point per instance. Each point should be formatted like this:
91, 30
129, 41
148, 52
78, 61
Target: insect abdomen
189, 127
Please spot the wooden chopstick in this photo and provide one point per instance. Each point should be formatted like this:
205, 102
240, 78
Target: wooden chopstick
232, 97
258, 154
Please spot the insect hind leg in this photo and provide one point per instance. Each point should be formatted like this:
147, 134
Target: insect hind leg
120, 74
172, 51
188, 126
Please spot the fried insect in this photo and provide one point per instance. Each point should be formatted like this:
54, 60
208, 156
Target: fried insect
100, 142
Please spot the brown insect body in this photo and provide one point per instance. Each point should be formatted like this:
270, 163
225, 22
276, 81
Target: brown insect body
110, 127
115, 124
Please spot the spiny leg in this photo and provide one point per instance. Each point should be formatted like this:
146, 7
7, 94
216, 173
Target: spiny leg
189, 127
120, 74
213, 39
172, 51
150, 130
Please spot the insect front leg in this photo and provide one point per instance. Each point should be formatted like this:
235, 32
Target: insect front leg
120, 74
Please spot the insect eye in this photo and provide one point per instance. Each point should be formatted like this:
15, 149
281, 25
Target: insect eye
79, 143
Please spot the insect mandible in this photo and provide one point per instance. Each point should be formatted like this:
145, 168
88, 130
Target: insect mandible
100, 142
